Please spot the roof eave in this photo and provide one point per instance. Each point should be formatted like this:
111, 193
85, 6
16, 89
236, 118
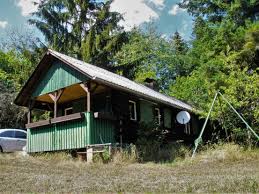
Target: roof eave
142, 95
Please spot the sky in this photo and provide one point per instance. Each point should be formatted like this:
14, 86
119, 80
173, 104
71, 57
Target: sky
165, 15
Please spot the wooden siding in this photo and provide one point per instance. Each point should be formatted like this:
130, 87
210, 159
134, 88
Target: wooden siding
70, 135
167, 118
146, 111
60, 136
102, 131
58, 76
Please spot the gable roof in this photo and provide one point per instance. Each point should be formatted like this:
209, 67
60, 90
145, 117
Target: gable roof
111, 79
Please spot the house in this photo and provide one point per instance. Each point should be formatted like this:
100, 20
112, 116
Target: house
90, 105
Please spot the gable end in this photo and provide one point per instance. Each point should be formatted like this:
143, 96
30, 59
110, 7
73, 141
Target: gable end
59, 75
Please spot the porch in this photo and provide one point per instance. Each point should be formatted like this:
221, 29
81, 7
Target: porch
75, 120
69, 132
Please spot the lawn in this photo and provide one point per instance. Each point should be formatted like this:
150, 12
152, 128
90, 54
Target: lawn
214, 171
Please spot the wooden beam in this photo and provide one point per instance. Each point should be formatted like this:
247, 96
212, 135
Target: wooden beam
52, 96
29, 117
86, 88
55, 97
59, 93
31, 104
94, 88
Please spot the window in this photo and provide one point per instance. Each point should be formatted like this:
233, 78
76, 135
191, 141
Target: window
132, 110
9, 134
20, 135
68, 111
157, 116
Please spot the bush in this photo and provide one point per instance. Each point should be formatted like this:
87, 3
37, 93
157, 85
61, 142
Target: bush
151, 145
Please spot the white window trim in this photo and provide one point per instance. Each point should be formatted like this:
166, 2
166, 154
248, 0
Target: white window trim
67, 109
135, 110
159, 115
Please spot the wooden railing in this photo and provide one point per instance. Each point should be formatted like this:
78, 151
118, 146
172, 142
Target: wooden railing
61, 119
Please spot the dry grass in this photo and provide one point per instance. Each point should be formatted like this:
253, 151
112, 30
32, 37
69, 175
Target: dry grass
227, 168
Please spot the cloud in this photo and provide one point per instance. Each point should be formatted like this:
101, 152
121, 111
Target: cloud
27, 6
160, 4
175, 10
136, 12
186, 26
3, 24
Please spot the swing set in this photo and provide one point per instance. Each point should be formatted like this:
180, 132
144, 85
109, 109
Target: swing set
199, 139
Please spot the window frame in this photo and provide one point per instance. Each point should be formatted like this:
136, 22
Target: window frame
67, 109
135, 110
159, 115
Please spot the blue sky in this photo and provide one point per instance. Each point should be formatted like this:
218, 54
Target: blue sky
165, 14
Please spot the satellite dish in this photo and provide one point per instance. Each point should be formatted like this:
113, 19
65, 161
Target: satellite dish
183, 117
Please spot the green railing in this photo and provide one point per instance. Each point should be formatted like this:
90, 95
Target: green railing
66, 133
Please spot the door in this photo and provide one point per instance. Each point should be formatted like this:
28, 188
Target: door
7, 141
20, 140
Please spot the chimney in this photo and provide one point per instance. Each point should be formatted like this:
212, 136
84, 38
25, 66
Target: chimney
151, 83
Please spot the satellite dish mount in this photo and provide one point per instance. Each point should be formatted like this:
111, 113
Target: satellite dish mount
183, 117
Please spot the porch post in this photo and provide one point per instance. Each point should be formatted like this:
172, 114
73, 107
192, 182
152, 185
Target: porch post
31, 104
85, 87
55, 97
29, 117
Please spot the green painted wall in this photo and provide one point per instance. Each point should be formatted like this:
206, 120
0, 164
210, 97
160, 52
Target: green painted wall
103, 131
60, 136
58, 76
167, 118
146, 111
70, 135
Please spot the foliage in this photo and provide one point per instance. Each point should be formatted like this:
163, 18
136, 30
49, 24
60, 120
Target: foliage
84, 29
223, 55
11, 116
150, 139
216, 11
23, 42
178, 43
16, 64
227, 63
148, 55
15, 68
104, 39
125, 155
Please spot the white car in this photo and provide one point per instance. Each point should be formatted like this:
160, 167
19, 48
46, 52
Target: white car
12, 140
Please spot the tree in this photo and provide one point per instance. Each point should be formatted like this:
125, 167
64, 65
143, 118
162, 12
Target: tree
104, 39
25, 43
13, 73
11, 116
178, 43
84, 29
216, 11
148, 55
227, 64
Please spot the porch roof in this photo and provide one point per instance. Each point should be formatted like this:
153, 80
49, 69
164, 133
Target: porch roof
111, 79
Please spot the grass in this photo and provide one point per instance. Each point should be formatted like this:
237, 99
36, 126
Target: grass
223, 168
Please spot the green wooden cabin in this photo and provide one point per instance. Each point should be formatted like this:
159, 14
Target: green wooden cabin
89, 105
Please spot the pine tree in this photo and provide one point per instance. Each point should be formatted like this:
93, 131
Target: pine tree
178, 43
84, 29
104, 39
